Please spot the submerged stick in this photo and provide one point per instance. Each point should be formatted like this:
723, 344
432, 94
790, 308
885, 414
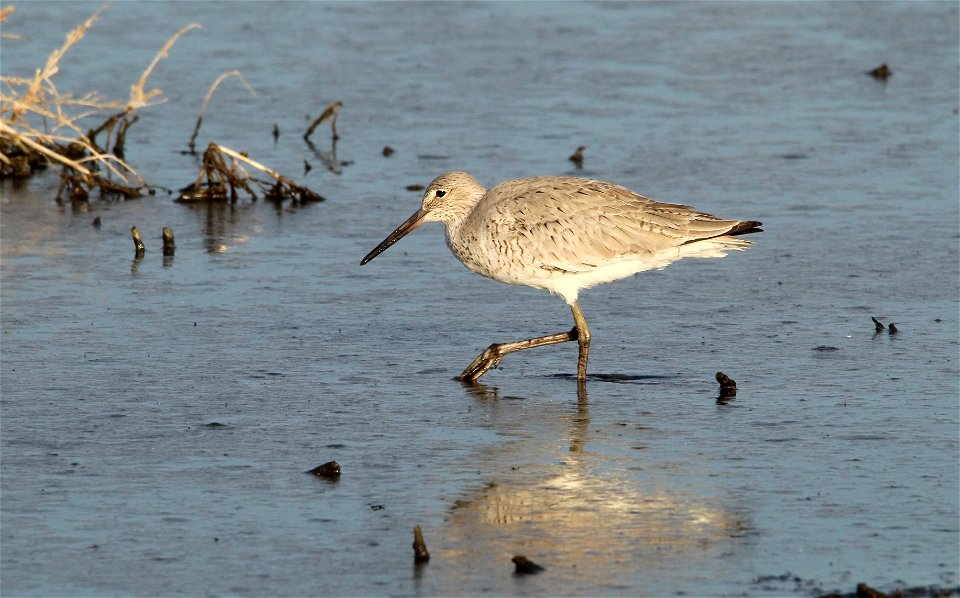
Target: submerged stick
331, 113
420, 554
169, 246
137, 241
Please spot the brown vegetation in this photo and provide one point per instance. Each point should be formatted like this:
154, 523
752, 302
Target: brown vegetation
222, 175
40, 126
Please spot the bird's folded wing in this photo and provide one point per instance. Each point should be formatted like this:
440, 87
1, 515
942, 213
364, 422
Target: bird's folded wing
577, 225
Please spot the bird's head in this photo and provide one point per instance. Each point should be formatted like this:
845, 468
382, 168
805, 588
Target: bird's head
449, 199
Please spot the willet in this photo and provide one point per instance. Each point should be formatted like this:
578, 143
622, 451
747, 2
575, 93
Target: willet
563, 234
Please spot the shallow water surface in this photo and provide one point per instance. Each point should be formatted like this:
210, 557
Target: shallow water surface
158, 414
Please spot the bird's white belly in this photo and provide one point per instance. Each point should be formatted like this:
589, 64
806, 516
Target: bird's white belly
506, 262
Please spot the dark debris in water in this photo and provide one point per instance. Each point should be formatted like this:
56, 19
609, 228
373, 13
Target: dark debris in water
329, 470
169, 245
138, 245
881, 73
865, 591
878, 325
728, 388
525, 566
222, 177
420, 553
577, 157
778, 584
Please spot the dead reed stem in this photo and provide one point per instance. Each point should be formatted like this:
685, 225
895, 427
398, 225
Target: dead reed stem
41, 125
218, 180
140, 98
206, 100
330, 112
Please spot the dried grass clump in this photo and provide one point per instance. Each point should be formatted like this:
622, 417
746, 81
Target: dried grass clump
39, 125
222, 175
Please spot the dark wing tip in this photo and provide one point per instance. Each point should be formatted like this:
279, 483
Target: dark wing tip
745, 227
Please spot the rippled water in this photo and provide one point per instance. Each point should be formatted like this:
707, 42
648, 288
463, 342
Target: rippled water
837, 462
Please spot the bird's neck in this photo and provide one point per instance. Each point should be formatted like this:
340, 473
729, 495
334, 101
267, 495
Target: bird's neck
456, 215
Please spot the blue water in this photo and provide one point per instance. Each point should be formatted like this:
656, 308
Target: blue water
836, 464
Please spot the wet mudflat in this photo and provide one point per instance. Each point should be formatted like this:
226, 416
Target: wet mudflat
836, 463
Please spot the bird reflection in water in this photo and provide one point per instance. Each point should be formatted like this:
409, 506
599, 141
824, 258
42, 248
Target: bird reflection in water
590, 512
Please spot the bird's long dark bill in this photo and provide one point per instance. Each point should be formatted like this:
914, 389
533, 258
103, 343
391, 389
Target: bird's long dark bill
410, 224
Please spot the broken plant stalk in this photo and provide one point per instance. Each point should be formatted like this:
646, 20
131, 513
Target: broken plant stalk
221, 178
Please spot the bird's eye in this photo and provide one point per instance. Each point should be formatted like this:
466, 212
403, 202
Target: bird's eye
440, 192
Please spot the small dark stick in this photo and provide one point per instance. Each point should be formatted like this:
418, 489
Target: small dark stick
877, 324
420, 554
329, 470
892, 328
96, 222
728, 386
276, 133
525, 566
577, 157
137, 241
169, 246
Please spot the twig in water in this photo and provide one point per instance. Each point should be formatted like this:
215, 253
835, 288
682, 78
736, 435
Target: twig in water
140, 98
420, 554
206, 100
169, 246
331, 112
137, 241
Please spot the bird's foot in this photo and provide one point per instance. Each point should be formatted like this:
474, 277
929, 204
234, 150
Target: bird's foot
486, 360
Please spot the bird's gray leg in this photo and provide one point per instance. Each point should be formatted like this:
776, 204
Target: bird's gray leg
583, 340
495, 352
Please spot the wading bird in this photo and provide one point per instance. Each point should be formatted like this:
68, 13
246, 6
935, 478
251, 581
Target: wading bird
563, 234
